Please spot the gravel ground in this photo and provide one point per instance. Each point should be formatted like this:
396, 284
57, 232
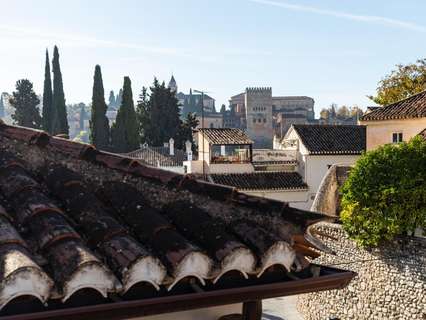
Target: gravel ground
283, 308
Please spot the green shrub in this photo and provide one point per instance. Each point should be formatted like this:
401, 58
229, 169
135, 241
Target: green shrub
385, 194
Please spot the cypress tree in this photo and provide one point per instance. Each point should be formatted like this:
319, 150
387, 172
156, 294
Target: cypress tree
25, 102
124, 131
47, 98
99, 126
60, 122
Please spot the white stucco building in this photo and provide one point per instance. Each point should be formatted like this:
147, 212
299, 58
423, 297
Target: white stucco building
317, 148
226, 156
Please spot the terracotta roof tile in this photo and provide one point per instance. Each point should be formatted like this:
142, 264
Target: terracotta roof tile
411, 107
80, 218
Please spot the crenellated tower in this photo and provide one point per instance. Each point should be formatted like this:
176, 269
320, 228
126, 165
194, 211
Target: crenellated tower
258, 105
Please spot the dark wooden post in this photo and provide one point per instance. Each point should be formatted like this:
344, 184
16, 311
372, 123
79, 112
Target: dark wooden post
252, 310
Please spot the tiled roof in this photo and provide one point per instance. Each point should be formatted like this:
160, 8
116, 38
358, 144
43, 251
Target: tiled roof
158, 156
423, 134
225, 136
411, 107
332, 139
261, 180
75, 218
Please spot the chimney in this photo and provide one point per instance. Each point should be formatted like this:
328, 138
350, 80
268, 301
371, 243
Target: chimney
188, 146
172, 146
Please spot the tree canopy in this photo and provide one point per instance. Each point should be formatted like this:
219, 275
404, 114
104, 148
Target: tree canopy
25, 102
158, 114
385, 194
401, 83
125, 131
99, 126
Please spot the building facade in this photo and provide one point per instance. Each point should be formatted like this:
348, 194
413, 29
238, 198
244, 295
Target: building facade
262, 115
396, 122
226, 156
317, 148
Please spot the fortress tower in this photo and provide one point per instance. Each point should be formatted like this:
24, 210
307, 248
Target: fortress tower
258, 105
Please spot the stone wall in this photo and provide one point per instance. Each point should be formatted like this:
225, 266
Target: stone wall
327, 199
391, 281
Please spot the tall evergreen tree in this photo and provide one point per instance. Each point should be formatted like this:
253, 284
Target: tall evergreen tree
60, 122
223, 109
111, 100
47, 98
124, 131
160, 115
143, 115
99, 126
25, 102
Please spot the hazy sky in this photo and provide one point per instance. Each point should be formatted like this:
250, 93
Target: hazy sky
332, 50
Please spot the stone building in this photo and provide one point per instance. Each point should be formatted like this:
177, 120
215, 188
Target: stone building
263, 115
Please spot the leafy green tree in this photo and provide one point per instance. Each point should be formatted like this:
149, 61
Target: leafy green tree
47, 98
60, 122
401, 83
124, 131
385, 194
343, 112
325, 114
25, 102
356, 112
99, 126
159, 115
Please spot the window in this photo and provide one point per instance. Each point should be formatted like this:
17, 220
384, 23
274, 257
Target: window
254, 120
396, 137
264, 120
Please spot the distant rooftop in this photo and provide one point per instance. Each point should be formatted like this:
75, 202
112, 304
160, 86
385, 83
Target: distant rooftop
332, 139
261, 180
223, 136
409, 108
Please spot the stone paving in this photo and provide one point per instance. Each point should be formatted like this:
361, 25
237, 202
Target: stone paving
283, 308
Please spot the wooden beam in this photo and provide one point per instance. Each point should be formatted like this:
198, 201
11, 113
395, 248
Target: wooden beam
252, 310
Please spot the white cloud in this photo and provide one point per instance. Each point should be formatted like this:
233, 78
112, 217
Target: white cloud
344, 15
